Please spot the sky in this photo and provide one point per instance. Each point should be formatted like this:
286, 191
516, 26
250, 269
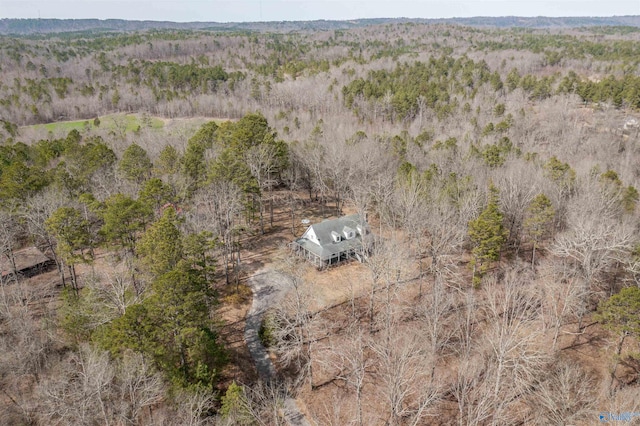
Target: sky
295, 10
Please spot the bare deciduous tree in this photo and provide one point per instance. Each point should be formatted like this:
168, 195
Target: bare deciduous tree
139, 387
433, 313
336, 412
296, 325
516, 193
403, 372
82, 392
262, 161
194, 406
565, 395
351, 361
597, 238
446, 231
565, 294
216, 208
9, 233
36, 212
265, 402
514, 357
389, 262
472, 393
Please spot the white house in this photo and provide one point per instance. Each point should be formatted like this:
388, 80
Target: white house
333, 241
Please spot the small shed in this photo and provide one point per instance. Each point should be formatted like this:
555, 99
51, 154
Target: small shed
333, 241
29, 261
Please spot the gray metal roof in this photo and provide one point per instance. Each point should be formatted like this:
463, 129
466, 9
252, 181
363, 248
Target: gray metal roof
24, 259
329, 247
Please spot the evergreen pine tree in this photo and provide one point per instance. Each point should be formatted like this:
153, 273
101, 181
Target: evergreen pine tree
168, 161
193, 162
487, 235
70, 230
135, 164
160, 247
123, 218
621, 314
155, 194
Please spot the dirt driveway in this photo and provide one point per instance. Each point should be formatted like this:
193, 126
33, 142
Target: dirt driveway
268, 287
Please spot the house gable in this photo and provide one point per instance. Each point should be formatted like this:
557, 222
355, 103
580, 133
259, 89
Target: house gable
310, 234
332, 241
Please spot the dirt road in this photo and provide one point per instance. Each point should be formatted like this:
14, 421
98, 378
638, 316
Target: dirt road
268, 287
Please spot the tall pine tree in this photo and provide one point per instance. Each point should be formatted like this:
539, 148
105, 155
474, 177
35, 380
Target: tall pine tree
135, 164
71, 232
487, 235
173, 327
160, 247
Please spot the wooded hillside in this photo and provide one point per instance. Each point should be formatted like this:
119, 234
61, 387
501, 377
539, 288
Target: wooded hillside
164, 170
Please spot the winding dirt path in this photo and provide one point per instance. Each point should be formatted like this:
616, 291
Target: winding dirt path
268, 287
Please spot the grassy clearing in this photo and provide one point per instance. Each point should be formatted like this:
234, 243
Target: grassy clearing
120, 123
66, 126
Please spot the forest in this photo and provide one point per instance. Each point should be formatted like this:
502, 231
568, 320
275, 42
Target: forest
162, 173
